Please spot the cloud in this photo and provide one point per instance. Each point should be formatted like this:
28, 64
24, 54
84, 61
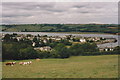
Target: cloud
79, 6
59, 12
60, 1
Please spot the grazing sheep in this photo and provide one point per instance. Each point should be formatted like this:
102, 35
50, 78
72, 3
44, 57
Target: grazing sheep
30, 62
25, 63
13, 63
37, 59
20, 63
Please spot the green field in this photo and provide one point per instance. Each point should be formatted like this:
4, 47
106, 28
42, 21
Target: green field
95, 28
104, 66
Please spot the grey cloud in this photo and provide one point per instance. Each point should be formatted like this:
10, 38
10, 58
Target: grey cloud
79, 6
26, 5
85, 12
15, 15
7, 21
52, 12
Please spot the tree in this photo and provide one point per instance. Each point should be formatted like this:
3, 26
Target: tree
29, 35
83, 49
117, 48
66, 42
7, 37
89, 47
17, 51
53, 44
14, 34
36, 41
76, 49
54, 54
62, 51
27, 53
43, 54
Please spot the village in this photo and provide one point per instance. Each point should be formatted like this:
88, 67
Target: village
41, 42
59, 39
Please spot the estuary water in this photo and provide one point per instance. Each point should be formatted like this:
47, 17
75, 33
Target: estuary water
84, 35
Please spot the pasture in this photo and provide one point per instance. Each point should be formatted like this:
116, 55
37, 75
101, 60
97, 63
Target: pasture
103, 66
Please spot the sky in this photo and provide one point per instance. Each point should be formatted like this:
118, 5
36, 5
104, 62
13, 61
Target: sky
59, 12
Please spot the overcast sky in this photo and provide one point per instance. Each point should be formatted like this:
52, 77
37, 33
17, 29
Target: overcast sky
59, 12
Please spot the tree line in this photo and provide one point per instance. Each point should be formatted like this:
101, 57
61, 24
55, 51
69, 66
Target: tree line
101, 28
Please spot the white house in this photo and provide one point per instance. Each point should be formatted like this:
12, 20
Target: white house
45, 48
33, 44
82, 40
45, 41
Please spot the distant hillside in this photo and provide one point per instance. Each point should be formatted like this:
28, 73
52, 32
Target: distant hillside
101, 28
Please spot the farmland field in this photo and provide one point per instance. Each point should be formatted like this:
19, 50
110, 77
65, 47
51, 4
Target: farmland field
95, 28
104, 66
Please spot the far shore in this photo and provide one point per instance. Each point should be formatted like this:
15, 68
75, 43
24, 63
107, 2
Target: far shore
81, 33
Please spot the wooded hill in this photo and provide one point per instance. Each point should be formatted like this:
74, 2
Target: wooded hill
100, 28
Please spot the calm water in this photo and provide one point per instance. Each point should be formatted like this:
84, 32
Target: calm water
84, 35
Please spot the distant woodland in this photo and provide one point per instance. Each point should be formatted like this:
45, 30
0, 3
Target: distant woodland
100, 28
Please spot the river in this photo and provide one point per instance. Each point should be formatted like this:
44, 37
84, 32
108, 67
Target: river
84, 35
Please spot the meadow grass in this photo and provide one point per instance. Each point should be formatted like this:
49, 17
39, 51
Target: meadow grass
104, 66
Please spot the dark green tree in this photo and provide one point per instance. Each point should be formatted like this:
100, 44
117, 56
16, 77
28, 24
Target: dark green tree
62, 50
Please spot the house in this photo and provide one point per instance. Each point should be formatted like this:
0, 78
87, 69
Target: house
45, 48
82, 40
18, 38
101, 49
106, 49
33, 44
111, 49
30, 38
45, 41
58, 39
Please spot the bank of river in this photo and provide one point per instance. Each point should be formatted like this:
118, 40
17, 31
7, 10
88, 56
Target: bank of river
75, 34
81, 33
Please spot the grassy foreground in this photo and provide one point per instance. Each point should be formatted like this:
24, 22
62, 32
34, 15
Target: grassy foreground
105, 66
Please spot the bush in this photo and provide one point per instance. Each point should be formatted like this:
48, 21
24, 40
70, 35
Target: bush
62, 51
83, 49
17, 51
